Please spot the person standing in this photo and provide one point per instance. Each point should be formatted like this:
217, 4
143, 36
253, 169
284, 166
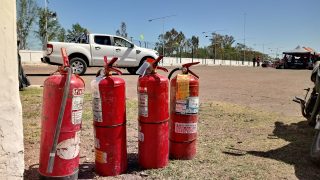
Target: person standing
258, 61
254, 60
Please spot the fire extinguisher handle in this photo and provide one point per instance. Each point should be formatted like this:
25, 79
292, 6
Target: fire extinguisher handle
110, 63
190, 64
65, 57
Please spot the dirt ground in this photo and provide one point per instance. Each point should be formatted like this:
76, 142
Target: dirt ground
241, 107
261, 88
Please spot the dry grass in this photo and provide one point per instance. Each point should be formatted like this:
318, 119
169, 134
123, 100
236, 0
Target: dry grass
234, 142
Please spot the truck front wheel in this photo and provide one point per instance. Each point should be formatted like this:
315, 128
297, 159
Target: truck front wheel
132, 70
78, 65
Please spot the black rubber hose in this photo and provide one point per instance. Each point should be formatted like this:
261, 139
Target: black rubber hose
59, 122
171, 73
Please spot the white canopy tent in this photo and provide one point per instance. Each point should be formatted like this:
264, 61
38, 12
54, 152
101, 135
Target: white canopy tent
300, 50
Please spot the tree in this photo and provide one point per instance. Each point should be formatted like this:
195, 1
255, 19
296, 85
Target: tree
122, 31
188, 45
61, 35
26, 14
172, 40
75, 31
216, 40
195, 42
53, 27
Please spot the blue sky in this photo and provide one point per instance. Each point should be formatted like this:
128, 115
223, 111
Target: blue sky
274, 24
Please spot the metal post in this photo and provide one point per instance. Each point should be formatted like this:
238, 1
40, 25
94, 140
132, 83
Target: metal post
244, 39
180, 53
215, 51
192, 53
162, 38
163, 19
46, 25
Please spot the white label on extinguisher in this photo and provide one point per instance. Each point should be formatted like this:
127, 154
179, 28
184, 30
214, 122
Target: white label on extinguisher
185, 128
188, 106
97, 110
143, 104
181, 106
69, 148
193, 105
77, 105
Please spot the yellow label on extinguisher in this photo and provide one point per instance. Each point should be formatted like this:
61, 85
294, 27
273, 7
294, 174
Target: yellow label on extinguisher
182, 90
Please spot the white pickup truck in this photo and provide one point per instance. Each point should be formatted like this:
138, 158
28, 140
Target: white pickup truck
89, 51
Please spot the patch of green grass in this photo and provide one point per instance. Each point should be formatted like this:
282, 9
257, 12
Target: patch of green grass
31, 100
234, 142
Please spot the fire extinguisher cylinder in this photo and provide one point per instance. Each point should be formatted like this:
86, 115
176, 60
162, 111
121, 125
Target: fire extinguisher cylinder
109, 120
60, 124
153, 104
184, 107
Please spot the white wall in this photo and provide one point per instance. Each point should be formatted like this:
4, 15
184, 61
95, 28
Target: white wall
11, 130
34, 57
173, 61
30, 57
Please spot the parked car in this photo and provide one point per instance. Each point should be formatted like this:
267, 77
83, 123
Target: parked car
267, 63
89, 50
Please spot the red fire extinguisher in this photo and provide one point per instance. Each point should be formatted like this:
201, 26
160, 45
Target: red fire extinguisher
153, 151
60, 123
109, 115
184, 107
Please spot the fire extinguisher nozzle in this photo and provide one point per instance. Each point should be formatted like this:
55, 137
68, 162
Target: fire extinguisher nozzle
50, 163
171, 73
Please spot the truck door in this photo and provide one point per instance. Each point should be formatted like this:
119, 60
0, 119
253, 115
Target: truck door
100, 47
125, 51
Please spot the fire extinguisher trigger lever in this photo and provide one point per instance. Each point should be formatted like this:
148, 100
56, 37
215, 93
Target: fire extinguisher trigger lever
189, 71
188, 65
109, 66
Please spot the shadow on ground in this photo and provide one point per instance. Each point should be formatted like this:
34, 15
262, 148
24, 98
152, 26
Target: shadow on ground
32, 172
296, 153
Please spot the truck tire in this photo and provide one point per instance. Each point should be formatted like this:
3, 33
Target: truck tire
78, 65
132, 70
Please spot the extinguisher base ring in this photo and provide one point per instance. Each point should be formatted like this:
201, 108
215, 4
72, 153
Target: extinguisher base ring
73, 176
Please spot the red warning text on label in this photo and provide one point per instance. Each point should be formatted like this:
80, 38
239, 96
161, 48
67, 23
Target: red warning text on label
185, 128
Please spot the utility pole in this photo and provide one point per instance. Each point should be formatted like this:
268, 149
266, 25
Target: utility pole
163, 20
244, 38
214, 42
46, 24
51, 15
